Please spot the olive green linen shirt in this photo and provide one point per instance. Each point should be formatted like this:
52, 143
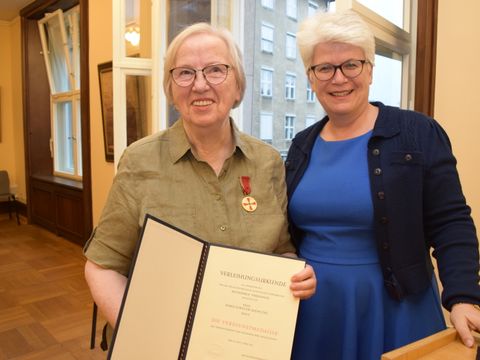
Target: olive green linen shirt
160, 175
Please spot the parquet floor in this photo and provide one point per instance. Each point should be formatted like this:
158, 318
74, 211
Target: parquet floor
45, 305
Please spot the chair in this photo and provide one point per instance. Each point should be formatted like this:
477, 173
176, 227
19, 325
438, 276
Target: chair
6, 195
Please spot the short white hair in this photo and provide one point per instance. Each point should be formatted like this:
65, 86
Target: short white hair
341, 27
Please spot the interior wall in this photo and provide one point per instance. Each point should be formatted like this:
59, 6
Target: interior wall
12, 155
100, 38
456, 90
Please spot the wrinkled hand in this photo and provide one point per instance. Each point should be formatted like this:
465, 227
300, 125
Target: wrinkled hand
465, 318
304, 283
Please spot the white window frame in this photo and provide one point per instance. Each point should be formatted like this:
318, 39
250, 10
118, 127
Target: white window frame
265, 83
267, 38
289, 126
290, 46
290, 86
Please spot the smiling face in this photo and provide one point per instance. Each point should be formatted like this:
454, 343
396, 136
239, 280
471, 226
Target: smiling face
341, 96
202, 104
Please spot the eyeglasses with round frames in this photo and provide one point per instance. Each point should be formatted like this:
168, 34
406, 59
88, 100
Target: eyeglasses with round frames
350, 69
214, 74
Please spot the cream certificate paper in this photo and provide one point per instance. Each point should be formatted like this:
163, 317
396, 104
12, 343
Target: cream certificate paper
245, 309
187, 299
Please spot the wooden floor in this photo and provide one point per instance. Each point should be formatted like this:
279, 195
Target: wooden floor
45, 305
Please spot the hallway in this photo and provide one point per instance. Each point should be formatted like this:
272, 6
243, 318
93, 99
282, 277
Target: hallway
45, 305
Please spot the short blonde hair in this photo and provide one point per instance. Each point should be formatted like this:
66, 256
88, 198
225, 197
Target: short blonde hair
204, 28
342, 27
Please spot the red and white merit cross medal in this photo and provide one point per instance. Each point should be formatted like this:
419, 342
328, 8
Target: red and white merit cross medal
248, 203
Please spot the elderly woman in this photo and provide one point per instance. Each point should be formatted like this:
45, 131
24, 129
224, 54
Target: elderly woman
195, 174
371, 189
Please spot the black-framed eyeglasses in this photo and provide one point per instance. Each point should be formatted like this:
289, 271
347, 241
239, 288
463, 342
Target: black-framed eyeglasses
214, 74
350, 69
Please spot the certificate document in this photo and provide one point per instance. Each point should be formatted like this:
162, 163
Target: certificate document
190, 299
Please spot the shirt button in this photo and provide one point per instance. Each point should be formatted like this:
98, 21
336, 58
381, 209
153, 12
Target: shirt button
218, 197
385, 246
381, 195
408, 157
223, 228
377, 171
383, 220
376, 152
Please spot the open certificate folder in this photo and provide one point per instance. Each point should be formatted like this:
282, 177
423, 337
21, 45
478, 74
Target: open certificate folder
190, 299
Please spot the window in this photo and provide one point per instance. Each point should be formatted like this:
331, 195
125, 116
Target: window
290, 80
388, 80
291, 46
253, 26
266, 127
312, 8
310, 120
266, 82
267, 38
59, 35
310, 93
289, 127
391, 10
269, 4
291, 8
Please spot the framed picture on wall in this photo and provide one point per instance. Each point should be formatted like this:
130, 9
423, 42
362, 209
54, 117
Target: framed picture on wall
135, 107
106, 99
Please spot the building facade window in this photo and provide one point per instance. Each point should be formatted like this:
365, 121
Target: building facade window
266, 82
269, 4
291, 8
289, 128
267, 38
310, 120
312, 8
266, 127
310, 93
290, 83
291, 46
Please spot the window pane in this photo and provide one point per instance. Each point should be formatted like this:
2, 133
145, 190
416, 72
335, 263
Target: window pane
312, 7
182, 14
267, 38
266, 127
138, 28
266, 82
268, 3
72, 28
291, 46
64, 140
392, 10
138, 117
56, 55
291, 9
387, 81
186, 12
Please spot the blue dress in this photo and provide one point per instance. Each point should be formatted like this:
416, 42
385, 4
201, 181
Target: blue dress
351, 316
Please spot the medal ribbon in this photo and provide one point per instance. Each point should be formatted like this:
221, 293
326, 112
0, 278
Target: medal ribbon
245, 184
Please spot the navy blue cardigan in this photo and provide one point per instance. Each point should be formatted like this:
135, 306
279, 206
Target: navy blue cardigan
418, 204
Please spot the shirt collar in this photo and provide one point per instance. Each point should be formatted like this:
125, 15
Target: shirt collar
180, 146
